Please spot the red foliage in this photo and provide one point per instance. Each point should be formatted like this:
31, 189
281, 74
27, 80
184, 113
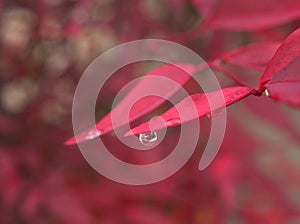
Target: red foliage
250, 15
46, 45
146, 87
254, 56
287, 53
280, 76
284, 86
194, 107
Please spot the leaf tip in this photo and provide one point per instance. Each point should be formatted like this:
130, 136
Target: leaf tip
70, 141
84, 136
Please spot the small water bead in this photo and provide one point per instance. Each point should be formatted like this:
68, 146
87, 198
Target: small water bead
215, 113
267, 93
148, 138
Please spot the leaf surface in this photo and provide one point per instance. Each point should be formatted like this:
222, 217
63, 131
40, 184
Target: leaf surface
286, 53
241, 15
163, 81
251, 15
253, 56
193, 107
285, 85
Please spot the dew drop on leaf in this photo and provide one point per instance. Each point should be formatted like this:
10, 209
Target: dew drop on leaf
215, 113
267, 93
148, 138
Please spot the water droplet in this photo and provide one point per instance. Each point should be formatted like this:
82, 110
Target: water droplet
92, 134
148, 138
267, 93
215, 113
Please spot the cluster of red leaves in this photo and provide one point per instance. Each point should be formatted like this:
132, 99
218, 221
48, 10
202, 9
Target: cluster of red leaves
280, 81
45, 46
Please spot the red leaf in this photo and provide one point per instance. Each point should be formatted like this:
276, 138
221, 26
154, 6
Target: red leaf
253, 15
253, 56
185, 110
161, 81
205, 7
285, 85
240, 15
287, 52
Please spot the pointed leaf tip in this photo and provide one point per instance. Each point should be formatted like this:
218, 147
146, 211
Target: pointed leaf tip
70, 141
163, 81
84, 136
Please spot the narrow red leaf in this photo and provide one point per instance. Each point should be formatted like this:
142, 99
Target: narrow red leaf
253, 15
205, 7
240, 15
285, 85
287, 52
163, 81
253, 56
185, 110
